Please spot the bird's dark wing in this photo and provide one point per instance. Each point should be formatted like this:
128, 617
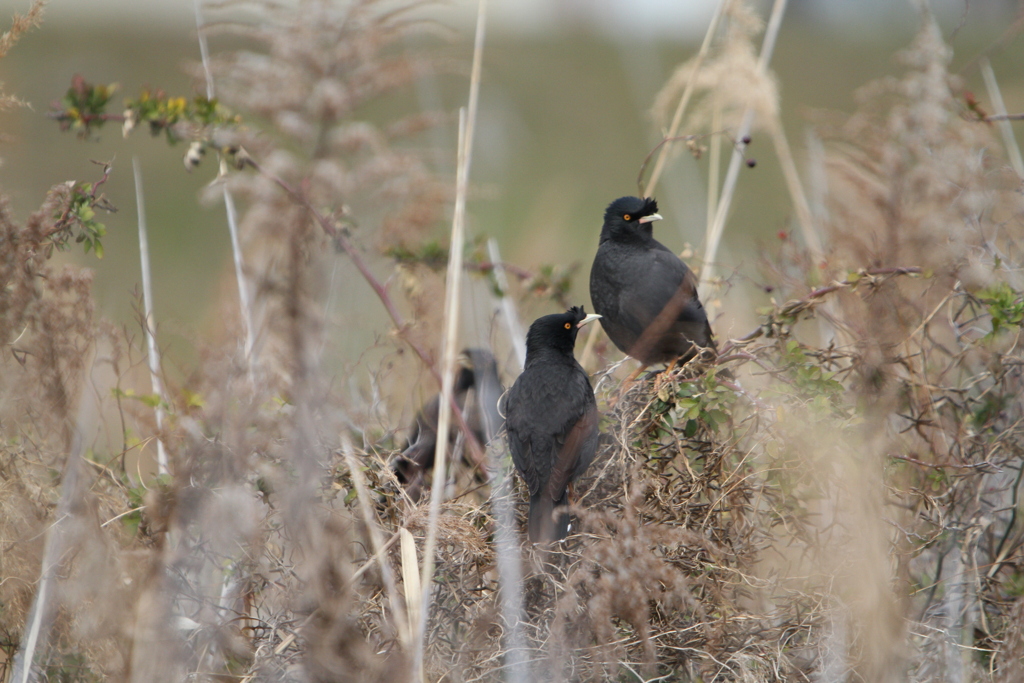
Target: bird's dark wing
418, 457
424, 431
602, 287
666, 276
662, 311
520, 442
551, 421
520, 430
575, 451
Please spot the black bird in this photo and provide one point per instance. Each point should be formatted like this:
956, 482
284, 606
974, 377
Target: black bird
551, 421
478, 371
646, 295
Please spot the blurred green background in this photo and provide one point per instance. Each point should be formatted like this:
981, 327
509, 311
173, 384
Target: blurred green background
564, 127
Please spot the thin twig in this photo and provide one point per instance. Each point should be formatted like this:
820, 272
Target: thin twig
494, 265
375, 558
796, 306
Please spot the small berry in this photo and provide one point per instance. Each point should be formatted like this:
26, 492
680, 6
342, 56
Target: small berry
769, 289
751, 163
782, 234
746, 139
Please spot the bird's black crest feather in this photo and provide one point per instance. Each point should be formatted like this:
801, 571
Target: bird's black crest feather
634, 206
555, 332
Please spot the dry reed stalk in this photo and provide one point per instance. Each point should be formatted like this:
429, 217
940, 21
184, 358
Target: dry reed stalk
796, 193
732, 174
150, 326
677, 118
714, 167
229, 203
509, 564
411, 580
508, 307
804, 216
451, 320
467, 123
1005, 127
451, 325
73, 492
244, 302
506, 540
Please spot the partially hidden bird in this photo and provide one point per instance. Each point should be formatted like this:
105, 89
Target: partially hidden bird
551, 421
478, 380
645, 294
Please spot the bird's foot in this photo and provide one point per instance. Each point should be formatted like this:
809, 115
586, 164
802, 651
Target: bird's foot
665, 376
660, 379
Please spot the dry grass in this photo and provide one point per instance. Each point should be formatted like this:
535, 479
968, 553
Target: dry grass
848, 509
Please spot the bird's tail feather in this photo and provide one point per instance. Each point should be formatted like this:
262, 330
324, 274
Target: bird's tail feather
548, 519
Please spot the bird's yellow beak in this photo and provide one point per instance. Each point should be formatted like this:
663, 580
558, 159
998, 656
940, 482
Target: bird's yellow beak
589, 319
648, 219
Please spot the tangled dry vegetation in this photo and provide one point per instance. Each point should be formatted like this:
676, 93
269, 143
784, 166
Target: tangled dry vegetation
845, 509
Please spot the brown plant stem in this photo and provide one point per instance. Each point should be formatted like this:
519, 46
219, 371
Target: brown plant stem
799, 305
339, 237
489, 266
677, 117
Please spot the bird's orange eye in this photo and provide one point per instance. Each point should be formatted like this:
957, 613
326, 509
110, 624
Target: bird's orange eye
626, 217
568, 326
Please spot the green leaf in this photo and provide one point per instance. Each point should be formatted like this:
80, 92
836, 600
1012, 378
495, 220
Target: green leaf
719, 416
193, 399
